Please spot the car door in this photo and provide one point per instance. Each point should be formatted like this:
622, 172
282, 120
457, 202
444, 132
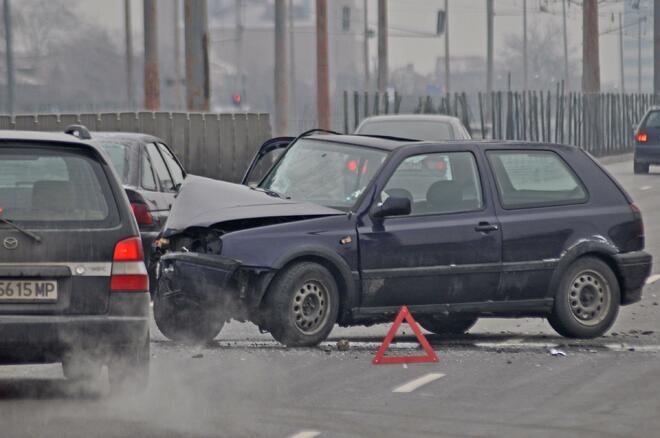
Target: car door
448, 249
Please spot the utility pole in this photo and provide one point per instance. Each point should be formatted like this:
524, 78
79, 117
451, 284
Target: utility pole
382, 46
177, 53
281, 86
292, 62
525, 75
563, 13
489, 45
623, 82
322, 77
590, 56
639, 54
198, 87
447, 72
656, 47
238, 6
365, 47
128, 30
9, 47
151, 75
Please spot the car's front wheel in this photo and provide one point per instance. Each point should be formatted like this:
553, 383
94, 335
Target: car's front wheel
302, 304
447, 325
640, 168
183, 319
587, 301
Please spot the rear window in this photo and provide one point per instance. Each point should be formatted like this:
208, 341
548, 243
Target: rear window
44, 187
413, 129
534, 179
653, 120
119, 158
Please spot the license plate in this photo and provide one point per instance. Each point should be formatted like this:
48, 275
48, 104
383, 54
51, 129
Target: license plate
28, 290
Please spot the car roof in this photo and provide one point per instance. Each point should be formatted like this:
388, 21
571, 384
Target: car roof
41, 136
391, 144
413, 117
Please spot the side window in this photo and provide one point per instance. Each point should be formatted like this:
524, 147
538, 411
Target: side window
437, 183
147, 179
160, 168
534, 179
172, 164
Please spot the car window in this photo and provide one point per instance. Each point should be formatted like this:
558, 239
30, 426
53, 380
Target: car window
653, 120
413, 129
160, 168
534, 178
172, 164
119, 157
148, 179
437, 183
44, 186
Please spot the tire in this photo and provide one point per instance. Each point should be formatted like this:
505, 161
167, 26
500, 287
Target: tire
183, 319
447, 325
587, 302
640, 168
81, 367
302, 305
128, 371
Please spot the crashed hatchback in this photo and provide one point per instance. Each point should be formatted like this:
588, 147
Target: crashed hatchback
346, 229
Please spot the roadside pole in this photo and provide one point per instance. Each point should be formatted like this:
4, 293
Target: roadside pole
656, 47
322, 85
280, 79
292, 62
177, 53
382, 46
365, 47
623, 83
563, 13
198, 88
590, 58
639, 54
525, 74
489, 46
447, 71
128, 30
11, 83
151, 75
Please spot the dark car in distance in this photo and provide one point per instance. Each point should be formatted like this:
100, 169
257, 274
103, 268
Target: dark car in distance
647, 141
73, 285
347, 229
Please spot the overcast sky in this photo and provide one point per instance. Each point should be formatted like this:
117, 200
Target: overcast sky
467, 24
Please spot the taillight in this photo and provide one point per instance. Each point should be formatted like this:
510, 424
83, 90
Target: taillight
642, 137
128, 271
141, 213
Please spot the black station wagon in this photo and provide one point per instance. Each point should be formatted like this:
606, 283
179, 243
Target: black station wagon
73, 285
346, 229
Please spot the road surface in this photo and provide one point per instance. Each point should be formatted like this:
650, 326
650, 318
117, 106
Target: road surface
499, 380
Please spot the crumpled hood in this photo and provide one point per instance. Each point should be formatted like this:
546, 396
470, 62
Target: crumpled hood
202, 202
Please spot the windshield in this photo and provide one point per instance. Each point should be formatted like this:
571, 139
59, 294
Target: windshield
413, 129
117, 153
326, 173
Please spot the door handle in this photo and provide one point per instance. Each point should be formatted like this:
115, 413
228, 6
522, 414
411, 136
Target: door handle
486, 227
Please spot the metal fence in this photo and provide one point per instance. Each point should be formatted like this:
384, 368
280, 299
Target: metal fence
600, 123
208, 144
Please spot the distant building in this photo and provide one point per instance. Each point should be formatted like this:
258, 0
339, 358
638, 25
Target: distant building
638, 28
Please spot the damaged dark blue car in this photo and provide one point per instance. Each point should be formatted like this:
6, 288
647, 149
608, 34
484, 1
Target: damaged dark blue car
346, 229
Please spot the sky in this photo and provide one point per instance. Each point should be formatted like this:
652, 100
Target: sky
467, 27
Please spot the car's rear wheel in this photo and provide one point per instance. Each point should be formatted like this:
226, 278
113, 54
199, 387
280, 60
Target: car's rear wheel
447, 325
587, 302
183, 319
302, 304
640, 168
128, 370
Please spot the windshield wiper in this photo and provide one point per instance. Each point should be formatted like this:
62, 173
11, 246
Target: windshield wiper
270, 193
19, 228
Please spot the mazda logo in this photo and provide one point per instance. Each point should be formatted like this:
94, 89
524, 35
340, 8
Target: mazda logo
10, 243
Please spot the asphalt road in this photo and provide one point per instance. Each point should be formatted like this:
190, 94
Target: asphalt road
499, 380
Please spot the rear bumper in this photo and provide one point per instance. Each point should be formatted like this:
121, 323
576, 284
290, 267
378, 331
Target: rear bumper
46, 338
647, 154
633, 268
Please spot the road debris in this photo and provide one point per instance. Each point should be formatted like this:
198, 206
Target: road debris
198, 356
343, 345
556, 352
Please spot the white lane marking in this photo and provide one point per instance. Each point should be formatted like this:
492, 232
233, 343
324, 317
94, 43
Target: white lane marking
306, 434
646, 188
630, 347
419, 382
515, 344
652, 279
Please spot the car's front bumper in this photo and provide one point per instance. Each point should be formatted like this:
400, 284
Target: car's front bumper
46, 338
633, 269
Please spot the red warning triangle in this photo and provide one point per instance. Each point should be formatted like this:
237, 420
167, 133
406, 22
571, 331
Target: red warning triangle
380, 357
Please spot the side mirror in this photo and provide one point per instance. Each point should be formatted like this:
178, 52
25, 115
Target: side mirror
392, 206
